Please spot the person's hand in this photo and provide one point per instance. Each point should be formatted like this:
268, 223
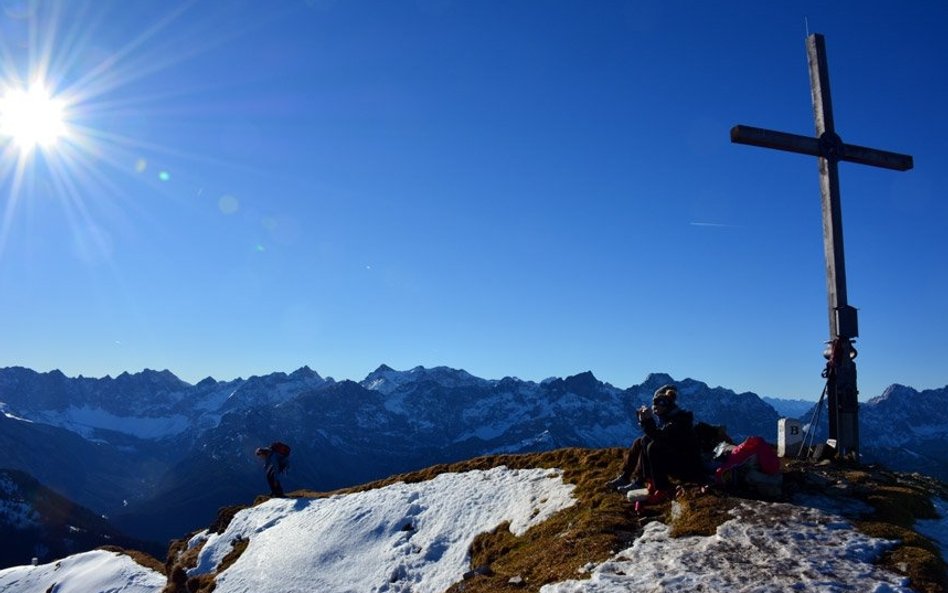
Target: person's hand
645, 413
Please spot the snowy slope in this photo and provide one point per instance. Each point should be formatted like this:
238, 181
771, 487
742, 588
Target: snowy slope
90, 572
788, 547
404, 537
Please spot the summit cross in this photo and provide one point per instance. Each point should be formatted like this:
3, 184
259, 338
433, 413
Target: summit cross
840, 372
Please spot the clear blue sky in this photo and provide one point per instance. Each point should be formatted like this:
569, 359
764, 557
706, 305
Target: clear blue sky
526, 188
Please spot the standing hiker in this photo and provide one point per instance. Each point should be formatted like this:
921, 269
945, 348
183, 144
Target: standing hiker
276, 460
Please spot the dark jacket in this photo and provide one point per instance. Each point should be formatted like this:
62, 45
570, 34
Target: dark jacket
677, 429
676, 435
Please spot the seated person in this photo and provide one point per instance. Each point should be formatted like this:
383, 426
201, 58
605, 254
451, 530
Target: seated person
632, 476
671, 450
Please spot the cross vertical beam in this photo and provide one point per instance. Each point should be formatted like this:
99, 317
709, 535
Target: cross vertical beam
829, 185
840, 369
841, 386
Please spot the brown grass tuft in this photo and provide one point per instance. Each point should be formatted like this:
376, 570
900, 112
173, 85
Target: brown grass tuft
925, 569
901, 505
238, 546
224, 516
893, 532
146, 560
700, 514
179, 560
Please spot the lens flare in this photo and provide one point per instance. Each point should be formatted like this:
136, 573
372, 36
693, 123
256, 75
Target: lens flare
228, 204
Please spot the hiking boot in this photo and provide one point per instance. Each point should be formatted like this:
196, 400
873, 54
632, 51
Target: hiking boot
635, 484
653, 499
638, 495
659, 496
618, 482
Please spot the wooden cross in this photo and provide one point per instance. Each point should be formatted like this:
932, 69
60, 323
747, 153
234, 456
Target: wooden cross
840, 370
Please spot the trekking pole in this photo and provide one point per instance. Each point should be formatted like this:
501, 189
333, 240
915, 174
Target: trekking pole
814, 423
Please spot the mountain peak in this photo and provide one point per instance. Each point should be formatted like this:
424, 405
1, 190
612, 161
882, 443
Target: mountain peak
206, 382
582, 382
656, 380
897, 391
164, 375
386, 380
304, 372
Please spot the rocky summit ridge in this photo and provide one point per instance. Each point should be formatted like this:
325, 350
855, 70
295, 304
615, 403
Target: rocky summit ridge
547, 523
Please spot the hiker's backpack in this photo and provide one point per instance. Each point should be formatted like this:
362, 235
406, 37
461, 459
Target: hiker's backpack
281, 448
752, 465
283, 452
709, 436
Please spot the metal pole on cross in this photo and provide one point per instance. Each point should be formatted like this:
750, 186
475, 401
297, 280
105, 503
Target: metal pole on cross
840, 371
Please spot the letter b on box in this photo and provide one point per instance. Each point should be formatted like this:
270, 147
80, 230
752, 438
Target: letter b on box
789, 437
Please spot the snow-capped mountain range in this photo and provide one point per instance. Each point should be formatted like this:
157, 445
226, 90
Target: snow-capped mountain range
159, 455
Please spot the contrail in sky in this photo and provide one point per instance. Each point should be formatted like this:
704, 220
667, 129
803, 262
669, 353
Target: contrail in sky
714, 224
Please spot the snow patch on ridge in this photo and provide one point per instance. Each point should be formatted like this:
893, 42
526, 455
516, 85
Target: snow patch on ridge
772, 543
84, 573
402, 537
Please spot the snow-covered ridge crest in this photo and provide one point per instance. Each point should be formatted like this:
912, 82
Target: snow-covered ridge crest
387, 380
88, 572
400, 537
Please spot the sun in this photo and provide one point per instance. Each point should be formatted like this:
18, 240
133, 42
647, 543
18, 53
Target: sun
32, 117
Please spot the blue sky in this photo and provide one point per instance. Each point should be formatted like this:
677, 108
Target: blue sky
527, 188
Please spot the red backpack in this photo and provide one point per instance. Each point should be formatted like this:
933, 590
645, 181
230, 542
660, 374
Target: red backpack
281, 448
753, 448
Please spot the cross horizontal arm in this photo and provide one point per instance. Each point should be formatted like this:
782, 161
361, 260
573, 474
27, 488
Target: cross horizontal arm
779, 140
877, 158
811, 146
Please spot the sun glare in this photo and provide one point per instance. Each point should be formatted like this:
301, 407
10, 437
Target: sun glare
76, 114
32, 117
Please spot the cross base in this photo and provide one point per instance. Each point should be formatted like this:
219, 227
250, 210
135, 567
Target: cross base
843, 395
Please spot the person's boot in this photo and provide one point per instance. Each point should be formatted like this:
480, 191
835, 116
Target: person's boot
619, 481
634, 484
653, 499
